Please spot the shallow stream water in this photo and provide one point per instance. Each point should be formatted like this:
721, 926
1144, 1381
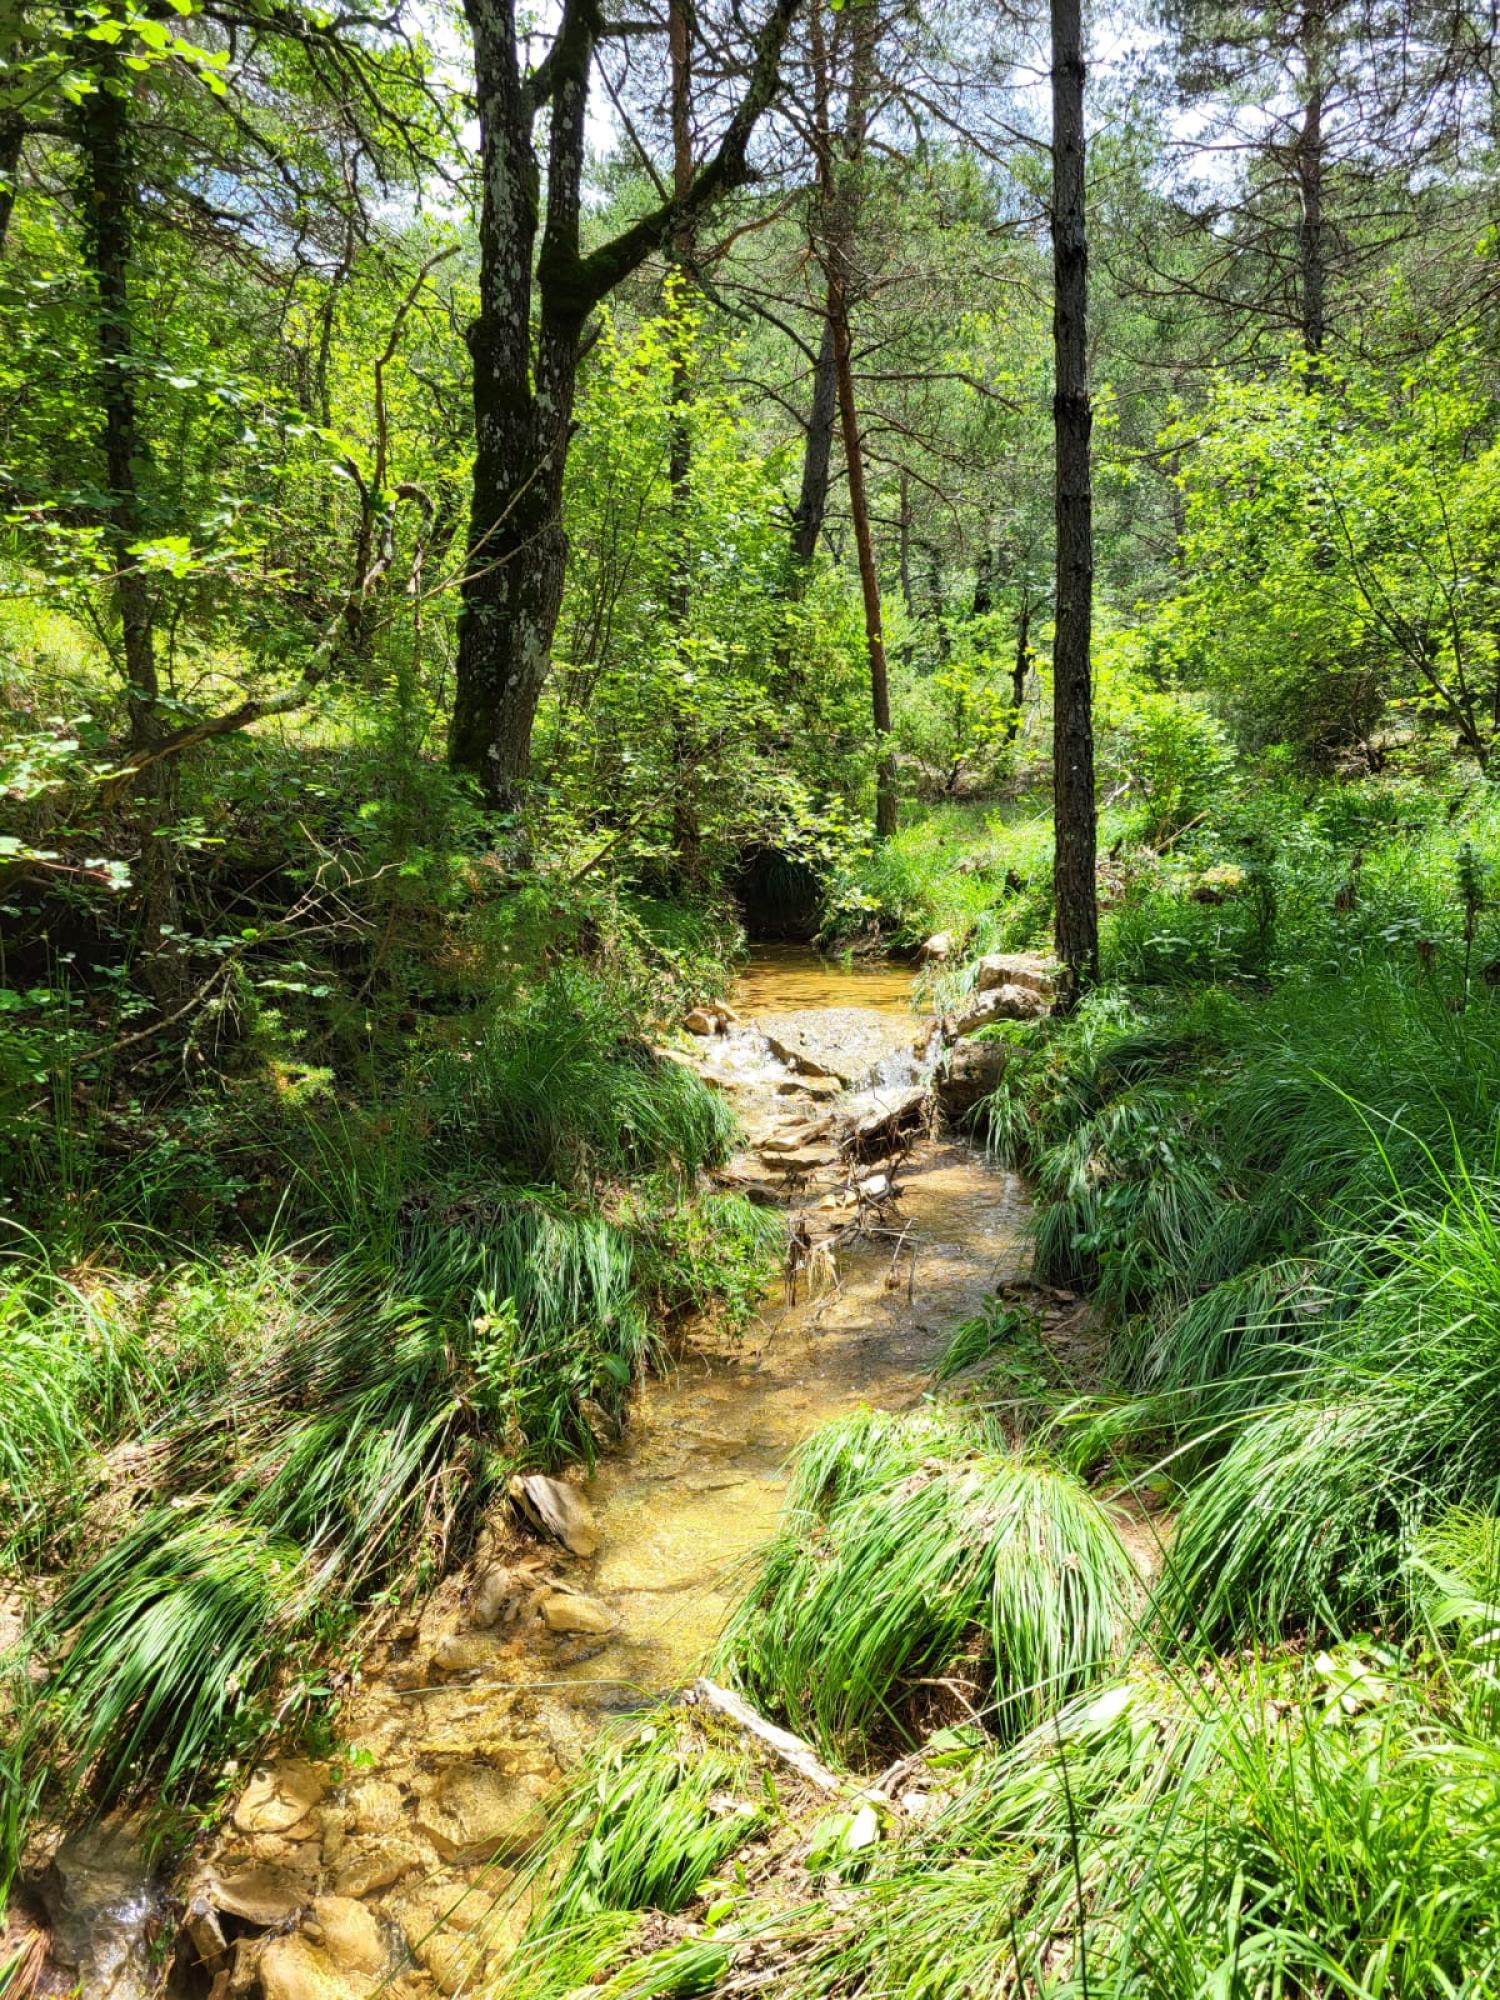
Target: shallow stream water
455, 1734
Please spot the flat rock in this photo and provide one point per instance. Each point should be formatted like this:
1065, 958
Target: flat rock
556, 1509
294, 1968
364, 1870
1031, 969
571, 1611
877, 1112
347, 1933
278, 1796
465, 1652
999, 1003
263, 1894
849, 1044
476, 1813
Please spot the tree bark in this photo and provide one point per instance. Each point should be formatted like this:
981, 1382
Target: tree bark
886, 808
1311, 165
524, 386
840, 195
1022, 668
687, 841
1074, 888
12, 139
817, 458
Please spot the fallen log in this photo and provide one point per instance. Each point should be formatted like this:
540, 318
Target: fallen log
792, 1750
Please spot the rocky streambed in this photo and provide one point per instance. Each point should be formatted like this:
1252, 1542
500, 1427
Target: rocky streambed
385, 1864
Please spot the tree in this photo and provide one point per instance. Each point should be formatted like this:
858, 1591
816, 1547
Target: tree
1074, 889
537, 289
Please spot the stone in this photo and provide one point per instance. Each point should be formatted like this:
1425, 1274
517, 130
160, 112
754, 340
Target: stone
883, 1113
294, 1968
970, 1071
262, 1895
699, 1021
819, 1088
571, 1611
376, 1806
464, 1652
476, 1813
937, 949
346, 1932
804, 1159
556, 1509
793, 1138
850, 1044
278, 1796
368, 1869
498, 1596
999, 1003
1017, 968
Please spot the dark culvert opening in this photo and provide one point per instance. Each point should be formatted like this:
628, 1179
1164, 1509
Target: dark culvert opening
780, 899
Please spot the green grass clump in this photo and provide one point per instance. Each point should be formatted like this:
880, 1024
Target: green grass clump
1289, 1829
1391, 1421
909, 1544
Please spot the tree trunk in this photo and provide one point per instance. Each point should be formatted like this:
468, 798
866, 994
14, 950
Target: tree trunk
1022, 668
524, 387
512, 589
12, 138
1074, 888
1311, 163
110, 198
886, 812
687, 840
817, 457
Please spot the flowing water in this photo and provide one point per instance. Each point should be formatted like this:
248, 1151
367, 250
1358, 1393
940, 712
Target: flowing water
455, 1734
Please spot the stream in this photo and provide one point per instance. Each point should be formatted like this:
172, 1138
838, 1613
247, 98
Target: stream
383, 1864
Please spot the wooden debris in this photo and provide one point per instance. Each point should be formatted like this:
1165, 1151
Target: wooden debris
791, 1750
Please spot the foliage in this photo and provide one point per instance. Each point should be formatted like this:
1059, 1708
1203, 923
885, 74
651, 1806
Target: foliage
908, 1542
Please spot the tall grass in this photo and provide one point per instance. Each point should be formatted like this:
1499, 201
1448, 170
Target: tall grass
1391, 1421
914, 1550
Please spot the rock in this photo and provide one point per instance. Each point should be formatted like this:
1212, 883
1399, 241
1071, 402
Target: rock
498, 1596
937, 950
369, 1869
805, 1159
699, 1021
882, 1114
846, 1043
999, 1003
571, 1611
556, 1509
262, 1895
971, 1071
293, 1968
278, 1796
476, 1813
874, 1187
376, 1806
816, 1087
347, 1933
1018, 968
464, 1652
793, 1138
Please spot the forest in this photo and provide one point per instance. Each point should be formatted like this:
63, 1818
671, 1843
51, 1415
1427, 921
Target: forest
749, 999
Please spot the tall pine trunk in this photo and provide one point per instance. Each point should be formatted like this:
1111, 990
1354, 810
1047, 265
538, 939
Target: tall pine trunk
817, 457
1074, 889
1311, 161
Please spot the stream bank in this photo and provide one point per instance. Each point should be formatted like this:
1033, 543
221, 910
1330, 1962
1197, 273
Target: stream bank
383, 1864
